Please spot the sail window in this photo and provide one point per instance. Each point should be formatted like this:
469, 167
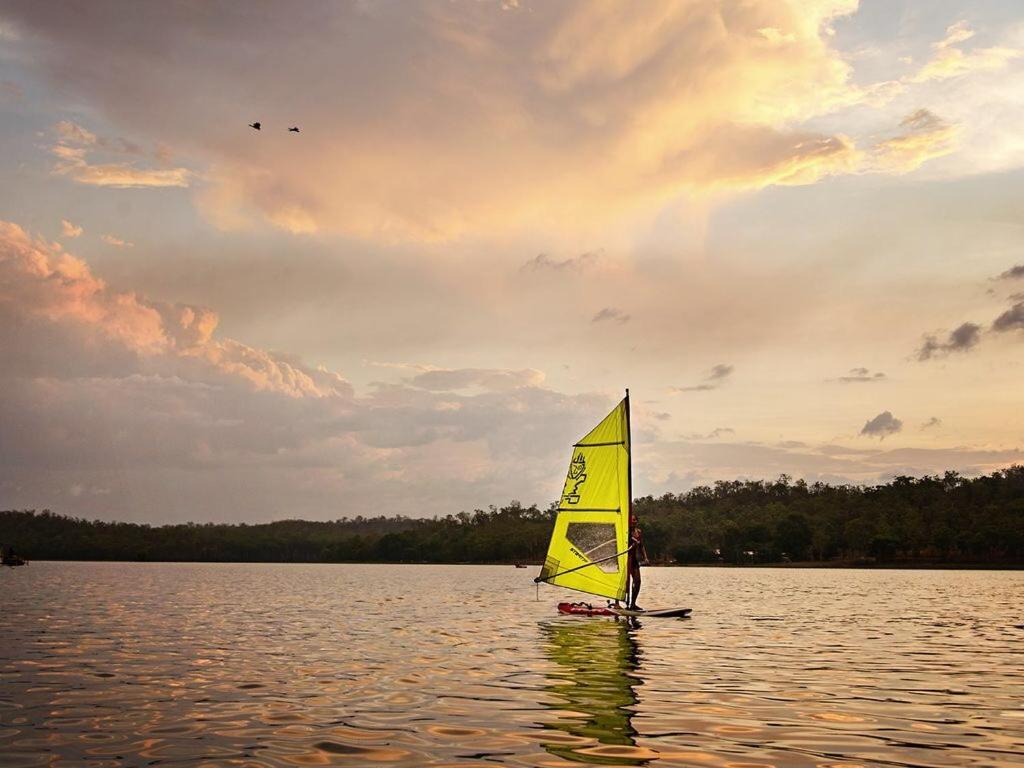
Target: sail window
595, 541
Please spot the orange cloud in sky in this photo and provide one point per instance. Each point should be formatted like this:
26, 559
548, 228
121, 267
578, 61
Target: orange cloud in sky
118, 174
98, 381
447, 119
116, 241
443, 379
36, 279
70, 230
949, 60
925, 136
74, 145
444, 119
39, 280
603, 110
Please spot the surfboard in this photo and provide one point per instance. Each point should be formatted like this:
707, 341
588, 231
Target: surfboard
661, 613
586, 609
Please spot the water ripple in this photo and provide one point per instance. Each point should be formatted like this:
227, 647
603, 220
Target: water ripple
287, 665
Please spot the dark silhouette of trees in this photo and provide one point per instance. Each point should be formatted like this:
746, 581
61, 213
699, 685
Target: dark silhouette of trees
947, 519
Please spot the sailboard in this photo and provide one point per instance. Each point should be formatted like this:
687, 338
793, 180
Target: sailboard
590, 540
587, 609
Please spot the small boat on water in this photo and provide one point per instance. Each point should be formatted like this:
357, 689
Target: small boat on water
11, 559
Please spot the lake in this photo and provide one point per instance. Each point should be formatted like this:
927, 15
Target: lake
299, 665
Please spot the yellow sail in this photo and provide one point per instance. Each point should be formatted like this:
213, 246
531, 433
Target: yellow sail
588, 545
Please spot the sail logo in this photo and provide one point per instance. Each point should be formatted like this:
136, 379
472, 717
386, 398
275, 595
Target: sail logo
577, 476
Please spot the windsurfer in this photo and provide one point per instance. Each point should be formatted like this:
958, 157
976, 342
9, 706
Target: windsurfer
637, 554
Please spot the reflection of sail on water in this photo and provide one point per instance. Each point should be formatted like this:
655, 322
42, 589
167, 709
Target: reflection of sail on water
595, 688
588, 544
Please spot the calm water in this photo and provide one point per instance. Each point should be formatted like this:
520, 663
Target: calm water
285, 665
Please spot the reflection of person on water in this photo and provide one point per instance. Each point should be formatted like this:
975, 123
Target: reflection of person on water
637, 554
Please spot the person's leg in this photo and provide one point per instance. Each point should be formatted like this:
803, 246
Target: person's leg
634, 579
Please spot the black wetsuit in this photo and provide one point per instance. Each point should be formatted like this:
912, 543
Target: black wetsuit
636, 543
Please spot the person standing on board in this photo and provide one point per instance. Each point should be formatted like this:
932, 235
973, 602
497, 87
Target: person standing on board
637, 553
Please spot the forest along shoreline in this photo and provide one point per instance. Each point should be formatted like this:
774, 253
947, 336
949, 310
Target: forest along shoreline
947, 521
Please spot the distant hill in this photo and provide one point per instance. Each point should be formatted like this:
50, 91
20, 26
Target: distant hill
943, 520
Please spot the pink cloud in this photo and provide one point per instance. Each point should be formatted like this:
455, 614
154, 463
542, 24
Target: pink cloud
72, 150
43, 282
116, 241
70, 230
110, 389
446, 119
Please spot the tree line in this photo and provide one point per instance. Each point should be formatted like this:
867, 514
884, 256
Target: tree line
947, 519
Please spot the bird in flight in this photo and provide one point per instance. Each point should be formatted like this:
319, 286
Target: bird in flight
254, 125
294, 129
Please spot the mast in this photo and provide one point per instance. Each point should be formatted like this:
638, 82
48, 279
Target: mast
629, 458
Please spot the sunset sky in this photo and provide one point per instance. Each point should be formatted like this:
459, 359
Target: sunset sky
795, 230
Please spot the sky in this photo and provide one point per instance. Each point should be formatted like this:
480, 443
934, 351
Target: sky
795, 230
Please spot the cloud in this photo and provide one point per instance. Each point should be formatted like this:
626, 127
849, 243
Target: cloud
493, 380
113, 390
500, 113
418, 367
1011, 319
153, 415
961, 339
925, 137
949, 60
544, 263
720, 372
708, 461
69, 230
72, 150
116, 241
58, 295
933, 422
73, 134
1013, 273
881, 425
712, 435
10, 91
610, 314
967, 335
716, 377
119, 175
862, 375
